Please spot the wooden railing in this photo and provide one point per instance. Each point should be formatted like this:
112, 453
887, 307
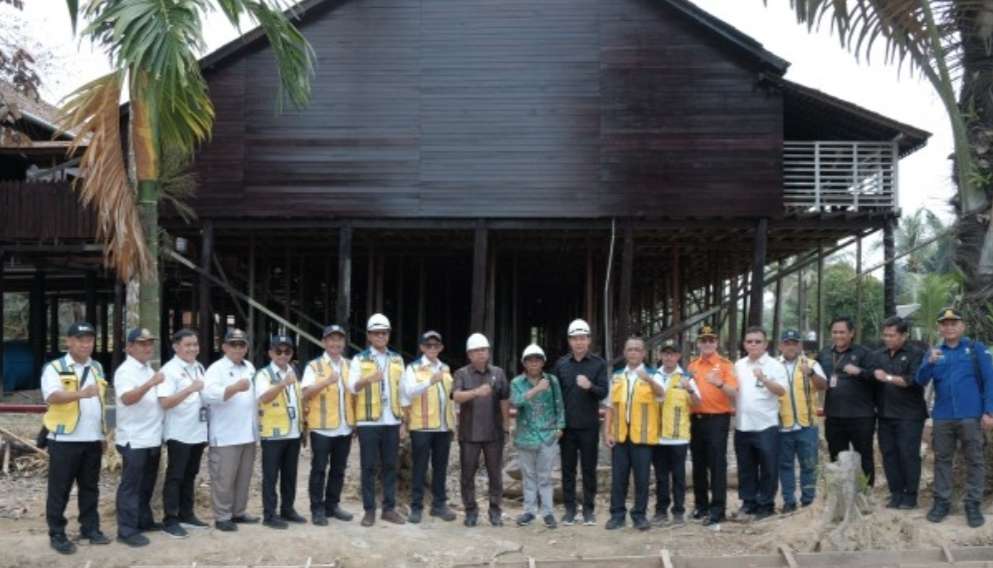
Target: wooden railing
43, 211
840, 176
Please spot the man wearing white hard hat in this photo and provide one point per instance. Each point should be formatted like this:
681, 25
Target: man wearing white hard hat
540, 419
482, 392
374, 379
583, 377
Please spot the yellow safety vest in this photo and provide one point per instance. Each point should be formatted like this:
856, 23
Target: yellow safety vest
425, 408
63, 418
274, 416
797, 405
674, 420
369, 400
323, 411
644, 425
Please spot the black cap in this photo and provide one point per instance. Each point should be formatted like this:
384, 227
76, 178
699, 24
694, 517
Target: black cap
429, 335
235, 335
949, 314
81, 328
280, 340
140, 334
790, 335
333, 329
670, 345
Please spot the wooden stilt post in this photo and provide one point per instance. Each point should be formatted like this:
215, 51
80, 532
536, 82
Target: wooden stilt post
90, 291
589, 307
803, 321
676, 287
758, 272
53, 324
398, 328
514, 306
343, 306
421, 296
777, 312
479, 256
380, 279
821, 340
287, 282
205, 318
251, 288
858, 288
889, 271
370, 297
119, 303
624, 323
731, 347
489, 318
2, 320
327, 290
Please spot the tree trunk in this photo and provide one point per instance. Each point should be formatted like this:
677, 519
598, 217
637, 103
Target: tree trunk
147, 160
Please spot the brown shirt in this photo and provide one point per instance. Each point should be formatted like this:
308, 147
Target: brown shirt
480, 419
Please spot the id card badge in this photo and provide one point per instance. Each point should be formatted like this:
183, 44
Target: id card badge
293, 412
834, 381
203, 413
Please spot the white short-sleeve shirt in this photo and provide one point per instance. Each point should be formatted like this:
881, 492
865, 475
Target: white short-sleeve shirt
310, 379
89, 428
187, 421
757, 408
139, 425
232, 421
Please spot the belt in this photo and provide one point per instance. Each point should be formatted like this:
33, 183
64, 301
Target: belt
702, 416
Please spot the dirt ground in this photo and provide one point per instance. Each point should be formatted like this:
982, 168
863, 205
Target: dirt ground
24, 542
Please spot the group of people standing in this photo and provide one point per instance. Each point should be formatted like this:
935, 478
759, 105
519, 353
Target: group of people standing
652, 417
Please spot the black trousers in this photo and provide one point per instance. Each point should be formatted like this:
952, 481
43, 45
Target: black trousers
758, 468
279, 463
139, 468
469, 462
627, 459
179, 488
378, 447
583, 444
709, 449
68, 463
670, 462
433, 447
840, 432
900, 444
333, 451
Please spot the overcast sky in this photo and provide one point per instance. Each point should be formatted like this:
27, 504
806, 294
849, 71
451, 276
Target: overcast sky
817, 60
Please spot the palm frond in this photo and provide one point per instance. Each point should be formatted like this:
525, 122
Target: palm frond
178, 183
92, 113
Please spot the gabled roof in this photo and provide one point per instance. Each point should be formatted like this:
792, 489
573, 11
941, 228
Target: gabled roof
735, 38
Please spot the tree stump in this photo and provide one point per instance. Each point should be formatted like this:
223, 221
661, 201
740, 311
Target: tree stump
846, 503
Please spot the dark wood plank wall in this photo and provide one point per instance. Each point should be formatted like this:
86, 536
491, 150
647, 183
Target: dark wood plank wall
43, 211
517, 108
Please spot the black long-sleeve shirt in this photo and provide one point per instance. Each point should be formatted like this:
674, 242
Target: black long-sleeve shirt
582, 406
892, 401
853, 396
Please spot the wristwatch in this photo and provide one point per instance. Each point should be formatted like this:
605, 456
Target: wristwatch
889, 378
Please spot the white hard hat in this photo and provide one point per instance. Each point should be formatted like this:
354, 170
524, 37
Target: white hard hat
531, 351
378, 322
579, 327
477, 341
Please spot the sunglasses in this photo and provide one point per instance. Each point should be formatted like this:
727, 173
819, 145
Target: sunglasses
283, 351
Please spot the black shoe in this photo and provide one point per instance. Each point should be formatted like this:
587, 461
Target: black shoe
134, 541
805, 503
414, 516
713, 522
192, 522
938, 512
789, 508
61, 544
700, 514
614, 523
152, 527
292, 517
973, 516
245, 519
96, 537
550, 522
340, 514
677, 519
444, 513
369, 518
524, 519
589, 518
894, 502
660, 519
275, 523
471, 519
763, 513
175, 531
319, 519
642, 524
496, 518
569, 518
909, 502
392, 516
226, 526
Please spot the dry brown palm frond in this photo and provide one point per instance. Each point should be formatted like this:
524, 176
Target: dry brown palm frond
92, 112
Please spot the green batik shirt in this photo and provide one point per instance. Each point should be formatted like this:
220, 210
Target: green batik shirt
540, 419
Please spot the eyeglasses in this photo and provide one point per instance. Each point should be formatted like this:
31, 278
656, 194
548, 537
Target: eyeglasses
283, 351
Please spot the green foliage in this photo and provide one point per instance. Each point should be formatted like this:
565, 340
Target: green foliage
840, 300
934, 291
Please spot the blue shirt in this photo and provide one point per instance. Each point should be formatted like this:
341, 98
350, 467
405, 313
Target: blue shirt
956, 387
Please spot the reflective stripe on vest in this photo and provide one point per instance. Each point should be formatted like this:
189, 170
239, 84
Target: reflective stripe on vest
674, 419
324, 411
369, 400
797, 405
640, 402
426, 408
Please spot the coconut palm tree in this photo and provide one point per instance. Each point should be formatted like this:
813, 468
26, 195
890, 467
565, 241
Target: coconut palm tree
153, 48
948, 42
